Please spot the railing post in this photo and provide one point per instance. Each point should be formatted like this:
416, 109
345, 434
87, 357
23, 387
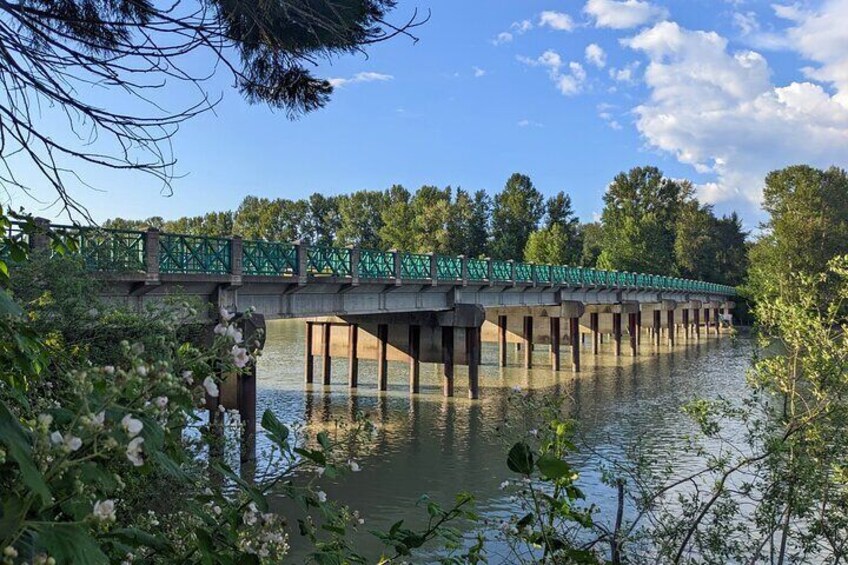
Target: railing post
151, 253
355, 253
533, 274
302, 251
39, 240
434, 269
511, 263
396, 269
463, 269
236, 258
490, 271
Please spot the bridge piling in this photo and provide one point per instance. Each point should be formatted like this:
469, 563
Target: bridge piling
472, 350
555, 343
657, 331
502, 328
594, 325
309, 365
414, 359
671, 327
686, 328
633, 334
616, 332
697, 312
326, 364
528, 342
352, 357
574, 331
447, 360
717, 321
382, 359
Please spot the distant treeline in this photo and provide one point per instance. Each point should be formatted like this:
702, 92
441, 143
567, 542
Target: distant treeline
649, 224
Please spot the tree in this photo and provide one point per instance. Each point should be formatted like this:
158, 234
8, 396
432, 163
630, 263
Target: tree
431, 210
397, 217
360, 216
477, 234
468, 224
639, 217
516, 214
322, 219
550, 246
807, 225
591, 236
138, 50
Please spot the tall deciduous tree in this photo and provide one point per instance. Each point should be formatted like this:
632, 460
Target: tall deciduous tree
361, 219
639, 217
807, 225
397, 231
591, 237
431, 211
558, 243
516, 214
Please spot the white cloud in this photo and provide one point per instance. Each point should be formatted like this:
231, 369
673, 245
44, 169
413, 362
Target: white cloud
360, 77
502, 37
596, 55
568, 79
556, 20
527, 123
719, 111
626, 74
522, 27
746, 22
478, 72
623, 14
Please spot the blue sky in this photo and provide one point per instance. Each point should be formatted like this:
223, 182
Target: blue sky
568, 92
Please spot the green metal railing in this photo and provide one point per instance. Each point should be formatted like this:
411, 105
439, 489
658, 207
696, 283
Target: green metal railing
415, 266
108, 250
194, 254
269, 258
376, 264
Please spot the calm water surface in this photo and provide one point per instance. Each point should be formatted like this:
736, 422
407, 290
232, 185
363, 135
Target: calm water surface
435, 446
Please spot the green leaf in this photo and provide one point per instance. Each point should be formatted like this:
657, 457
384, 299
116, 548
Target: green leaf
520, 459
553, 467
69, 543
137, 538
10, 519
7, 305
277, 431
17, 440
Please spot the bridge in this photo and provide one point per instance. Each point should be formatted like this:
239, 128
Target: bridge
395, 305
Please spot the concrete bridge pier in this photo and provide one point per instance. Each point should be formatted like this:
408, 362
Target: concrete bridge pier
616, 333
686, 328
707, 320
633, 333
697, 312
594, 324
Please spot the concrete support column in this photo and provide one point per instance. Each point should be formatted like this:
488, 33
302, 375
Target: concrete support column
308, 368
352, 358
686, 328
634, 333
574, 332
382, 359
447, 359
639, 328
616, 332
325, 354
697, 313
246, 401
414, 359
670, 322
707, 321
657, 335
594, 325
555, 343
472, 352
502, 326
528, 342
717, 321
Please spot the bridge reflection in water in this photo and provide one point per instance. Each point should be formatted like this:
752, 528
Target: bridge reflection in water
438, 446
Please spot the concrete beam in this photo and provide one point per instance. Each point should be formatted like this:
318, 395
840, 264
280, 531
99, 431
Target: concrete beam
662, 305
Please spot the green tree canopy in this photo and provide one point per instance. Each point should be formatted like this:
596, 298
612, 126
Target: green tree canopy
515, 215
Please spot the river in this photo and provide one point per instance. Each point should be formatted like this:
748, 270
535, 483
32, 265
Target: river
430, 445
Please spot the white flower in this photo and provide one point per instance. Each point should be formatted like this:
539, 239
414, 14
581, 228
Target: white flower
141, 370
320, 471
56, 438
72, 443
225, 314
131, 425
134, 452
354, 466
220, 329
534, 432
216, 510
188, 377
249, 516
44, 421
322, 496
361, 521
211, 387
104, 510
161, 402
93, 312
10, 551
109, 370
240, 356
99, 419
504, 485
234, 333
